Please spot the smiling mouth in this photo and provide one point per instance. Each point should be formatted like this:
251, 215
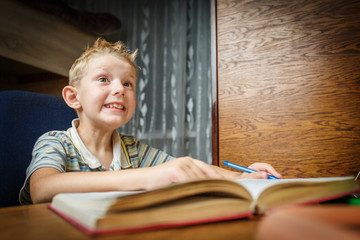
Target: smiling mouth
114, 105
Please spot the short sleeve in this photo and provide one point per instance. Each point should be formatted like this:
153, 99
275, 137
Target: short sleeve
149, 156
48, 151
142, 155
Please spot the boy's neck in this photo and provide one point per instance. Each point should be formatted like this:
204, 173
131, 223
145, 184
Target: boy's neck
98, 142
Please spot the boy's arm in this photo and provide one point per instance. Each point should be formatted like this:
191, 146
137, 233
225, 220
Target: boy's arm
46, 182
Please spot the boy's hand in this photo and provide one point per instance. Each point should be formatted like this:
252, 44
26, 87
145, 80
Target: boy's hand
179, 170
263, 169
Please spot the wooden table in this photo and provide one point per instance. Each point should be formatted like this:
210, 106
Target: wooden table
38, 222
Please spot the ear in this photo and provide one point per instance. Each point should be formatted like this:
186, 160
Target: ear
70, 95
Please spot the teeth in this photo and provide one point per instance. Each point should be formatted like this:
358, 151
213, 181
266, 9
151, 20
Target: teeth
117, 106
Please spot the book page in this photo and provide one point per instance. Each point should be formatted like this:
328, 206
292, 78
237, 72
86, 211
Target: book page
257, 186
86, 208
95, 203
101, 195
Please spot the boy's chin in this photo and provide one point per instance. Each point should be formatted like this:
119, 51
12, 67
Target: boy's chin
116, 123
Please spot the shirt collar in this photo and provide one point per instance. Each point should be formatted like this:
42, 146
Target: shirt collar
92, 161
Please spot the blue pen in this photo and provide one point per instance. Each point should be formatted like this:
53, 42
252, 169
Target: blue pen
244, 169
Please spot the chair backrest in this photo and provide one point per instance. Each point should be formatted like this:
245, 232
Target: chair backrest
24, 116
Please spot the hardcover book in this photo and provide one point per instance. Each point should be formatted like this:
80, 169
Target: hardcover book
193, 202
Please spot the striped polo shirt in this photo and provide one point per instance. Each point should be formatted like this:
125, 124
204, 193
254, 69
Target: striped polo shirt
57, 149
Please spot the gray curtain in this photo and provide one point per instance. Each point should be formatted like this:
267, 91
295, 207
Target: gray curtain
174, 86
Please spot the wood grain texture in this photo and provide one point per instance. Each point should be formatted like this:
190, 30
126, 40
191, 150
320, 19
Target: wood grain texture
38, 222
33, 37
289, 85
214, 96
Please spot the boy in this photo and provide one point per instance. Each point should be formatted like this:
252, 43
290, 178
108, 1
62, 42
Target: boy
91, 156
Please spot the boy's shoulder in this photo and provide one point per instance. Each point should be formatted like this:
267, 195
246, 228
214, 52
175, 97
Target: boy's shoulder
55, 134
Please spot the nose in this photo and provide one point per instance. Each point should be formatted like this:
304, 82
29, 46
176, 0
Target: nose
118, 90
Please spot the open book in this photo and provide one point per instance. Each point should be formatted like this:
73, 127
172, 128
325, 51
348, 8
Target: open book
193, 202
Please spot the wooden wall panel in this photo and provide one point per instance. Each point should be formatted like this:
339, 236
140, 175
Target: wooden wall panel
289, 85
39, 39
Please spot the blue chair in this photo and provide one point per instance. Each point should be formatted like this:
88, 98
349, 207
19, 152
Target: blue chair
25, 116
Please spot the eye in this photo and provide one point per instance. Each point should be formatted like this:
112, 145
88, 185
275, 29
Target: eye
103, 79
127, 84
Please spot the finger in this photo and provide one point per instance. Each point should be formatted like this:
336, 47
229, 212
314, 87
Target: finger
195, 167
265, 167
207, 169
195, 171
255, 175
185, 169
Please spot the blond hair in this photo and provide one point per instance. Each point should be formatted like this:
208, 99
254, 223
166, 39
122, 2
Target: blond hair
100, 47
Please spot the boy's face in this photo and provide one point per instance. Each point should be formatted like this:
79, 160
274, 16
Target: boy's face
107, 92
